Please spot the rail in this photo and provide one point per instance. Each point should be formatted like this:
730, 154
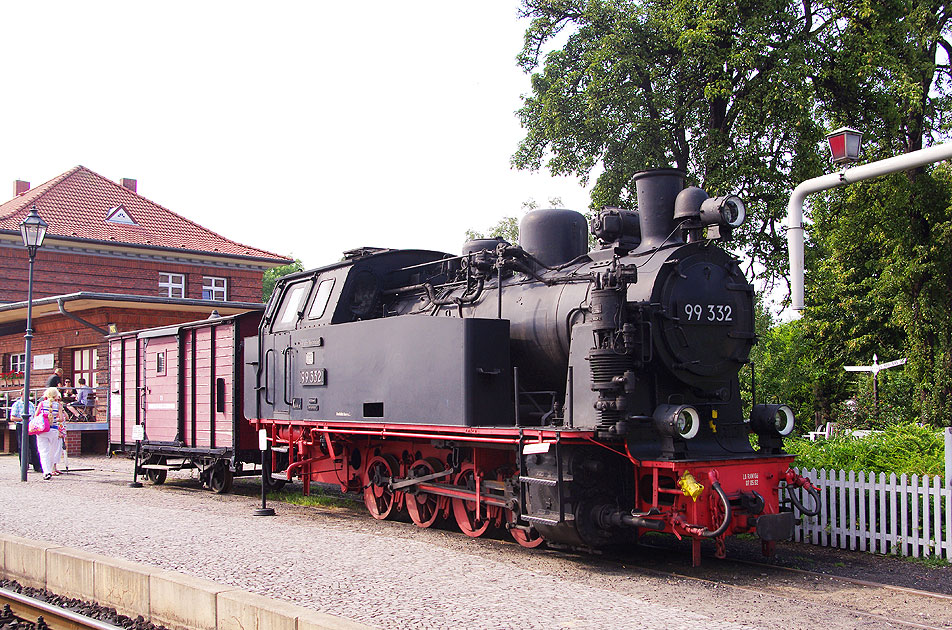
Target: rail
27, 608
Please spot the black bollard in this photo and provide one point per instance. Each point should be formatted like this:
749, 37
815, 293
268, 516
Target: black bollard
264, 510
135, 469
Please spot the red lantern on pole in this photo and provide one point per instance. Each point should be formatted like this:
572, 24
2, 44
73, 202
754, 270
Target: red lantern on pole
845, 145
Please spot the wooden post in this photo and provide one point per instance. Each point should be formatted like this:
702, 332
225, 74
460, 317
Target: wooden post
948, 454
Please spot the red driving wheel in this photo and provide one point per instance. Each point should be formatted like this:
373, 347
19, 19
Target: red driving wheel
530, 539
377, 497
465, 511
422, 506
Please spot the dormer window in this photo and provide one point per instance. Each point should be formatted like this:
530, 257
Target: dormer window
119, 214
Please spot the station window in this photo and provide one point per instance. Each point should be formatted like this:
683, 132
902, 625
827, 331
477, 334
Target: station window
84, 366
171, 284
160, 363
17, 362
214, 288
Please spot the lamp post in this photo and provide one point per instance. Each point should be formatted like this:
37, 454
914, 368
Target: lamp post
33, 229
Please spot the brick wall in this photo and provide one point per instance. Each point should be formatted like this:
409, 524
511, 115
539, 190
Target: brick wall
58, 273
74, 443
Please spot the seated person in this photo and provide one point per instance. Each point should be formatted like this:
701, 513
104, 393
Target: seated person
67, 391
78, 406
68, 395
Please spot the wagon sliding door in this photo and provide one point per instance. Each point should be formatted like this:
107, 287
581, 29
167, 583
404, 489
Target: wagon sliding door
161, 383
209, 372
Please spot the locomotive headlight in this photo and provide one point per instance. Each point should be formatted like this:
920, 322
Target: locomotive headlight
772, 419
677, 420
728, 210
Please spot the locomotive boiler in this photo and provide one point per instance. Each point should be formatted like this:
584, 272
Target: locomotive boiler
571, 396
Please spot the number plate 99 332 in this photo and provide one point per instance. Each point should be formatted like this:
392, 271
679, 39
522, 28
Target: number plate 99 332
314, 377
702, 313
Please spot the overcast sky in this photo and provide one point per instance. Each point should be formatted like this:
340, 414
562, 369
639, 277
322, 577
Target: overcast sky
303, 128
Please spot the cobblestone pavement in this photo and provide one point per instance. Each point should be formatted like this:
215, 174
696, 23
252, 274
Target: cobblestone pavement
387, 574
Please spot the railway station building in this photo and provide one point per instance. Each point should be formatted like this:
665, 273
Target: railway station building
112, 261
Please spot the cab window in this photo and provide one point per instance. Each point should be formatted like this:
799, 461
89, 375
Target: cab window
291, 306
319, 305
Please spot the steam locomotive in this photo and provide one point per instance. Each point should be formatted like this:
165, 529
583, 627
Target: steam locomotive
569, 396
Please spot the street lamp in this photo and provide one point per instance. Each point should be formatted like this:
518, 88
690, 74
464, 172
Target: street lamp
33, 229
845, 144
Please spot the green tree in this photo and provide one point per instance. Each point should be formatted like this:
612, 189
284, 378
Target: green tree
271, 277
885, 69
717, 88
878, 286
782, 368
881, 261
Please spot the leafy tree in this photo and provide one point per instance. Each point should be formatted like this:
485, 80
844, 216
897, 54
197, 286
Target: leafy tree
878, 286
783, 368
881, 255
882, 70
506, 228
716, 88
271, 277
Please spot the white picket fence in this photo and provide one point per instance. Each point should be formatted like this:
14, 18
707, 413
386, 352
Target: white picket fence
907, 516
904, 515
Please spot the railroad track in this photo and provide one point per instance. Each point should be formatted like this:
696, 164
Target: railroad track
846, 580
854, 605
896, 606
31, 609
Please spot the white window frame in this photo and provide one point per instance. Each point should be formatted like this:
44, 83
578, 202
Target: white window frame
321, 298
85, 362
217, 288
171, 283
18, 362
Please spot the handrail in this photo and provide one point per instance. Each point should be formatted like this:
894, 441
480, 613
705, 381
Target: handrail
9, 396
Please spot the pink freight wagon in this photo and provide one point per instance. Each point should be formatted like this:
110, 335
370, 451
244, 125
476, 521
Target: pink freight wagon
177, 391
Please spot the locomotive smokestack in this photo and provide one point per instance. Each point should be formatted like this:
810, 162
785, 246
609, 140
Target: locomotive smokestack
657, 190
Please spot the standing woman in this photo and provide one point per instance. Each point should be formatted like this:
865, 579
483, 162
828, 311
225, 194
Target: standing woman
50, 443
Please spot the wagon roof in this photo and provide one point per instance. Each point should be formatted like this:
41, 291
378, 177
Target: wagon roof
86, 300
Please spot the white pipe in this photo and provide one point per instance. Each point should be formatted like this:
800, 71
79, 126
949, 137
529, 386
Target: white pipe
903, 162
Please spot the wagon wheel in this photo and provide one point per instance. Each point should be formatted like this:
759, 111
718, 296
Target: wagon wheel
530, 539
272, 483
465, 511
422, 506
221, 479
154, 475
279, 463
377, 497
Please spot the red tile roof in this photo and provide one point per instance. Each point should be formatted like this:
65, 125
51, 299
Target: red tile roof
76, 203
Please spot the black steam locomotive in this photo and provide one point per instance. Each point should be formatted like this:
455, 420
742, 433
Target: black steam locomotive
570, 396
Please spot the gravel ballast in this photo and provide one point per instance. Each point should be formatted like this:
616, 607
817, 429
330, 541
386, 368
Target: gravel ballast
342, 562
